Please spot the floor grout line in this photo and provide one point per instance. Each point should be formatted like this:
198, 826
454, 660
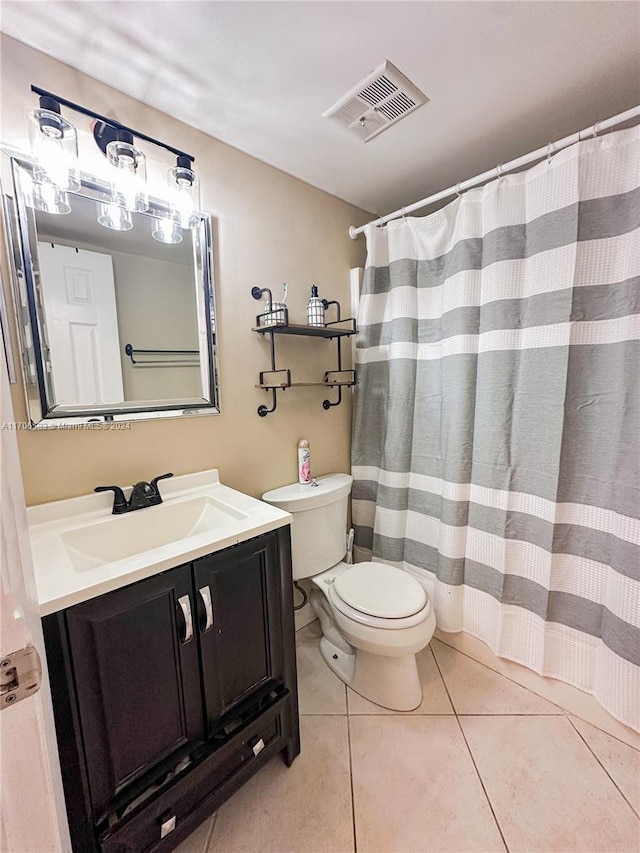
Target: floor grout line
353, 799
473, 761
586, 743
209, 839
413, 714
570, 714
444, 683
563, 711
495, 671
481, 780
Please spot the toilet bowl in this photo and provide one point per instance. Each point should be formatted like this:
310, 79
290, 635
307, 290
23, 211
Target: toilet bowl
374, 654
374, 617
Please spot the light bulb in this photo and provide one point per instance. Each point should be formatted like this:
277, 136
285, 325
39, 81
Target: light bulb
129, 175
44, 197
186, 209
50, 199
115, 217
185, 193
166, 230
54, 145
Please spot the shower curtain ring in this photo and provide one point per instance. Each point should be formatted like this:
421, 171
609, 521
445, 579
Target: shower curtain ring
458, 192
499, 170
403, 212
549, 152
596, 127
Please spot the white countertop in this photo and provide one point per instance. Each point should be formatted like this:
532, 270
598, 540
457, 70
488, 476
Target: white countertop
60, 583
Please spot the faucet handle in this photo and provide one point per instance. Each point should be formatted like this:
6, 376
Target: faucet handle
119, 501
154, 482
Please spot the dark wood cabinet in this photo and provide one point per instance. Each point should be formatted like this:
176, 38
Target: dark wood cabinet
137, 682
169, 693
242, 647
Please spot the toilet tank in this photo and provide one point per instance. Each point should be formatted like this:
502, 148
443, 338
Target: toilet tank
319, 522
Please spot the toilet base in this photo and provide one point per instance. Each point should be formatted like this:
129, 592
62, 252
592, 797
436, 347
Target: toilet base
339, 661
391, 682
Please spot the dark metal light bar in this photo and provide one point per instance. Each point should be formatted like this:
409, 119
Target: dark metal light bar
87, 112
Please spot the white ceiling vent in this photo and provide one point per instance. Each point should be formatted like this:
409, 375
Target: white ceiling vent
377, 102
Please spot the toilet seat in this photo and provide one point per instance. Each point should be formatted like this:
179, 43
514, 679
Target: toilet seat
380, 595
378, 589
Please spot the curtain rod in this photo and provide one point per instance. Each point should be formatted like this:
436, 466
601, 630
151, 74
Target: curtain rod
548, 151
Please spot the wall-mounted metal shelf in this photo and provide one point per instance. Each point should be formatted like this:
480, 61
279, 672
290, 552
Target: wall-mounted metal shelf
330, 330
277, 323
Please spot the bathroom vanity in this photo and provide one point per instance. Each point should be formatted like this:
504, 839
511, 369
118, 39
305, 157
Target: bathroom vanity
172, 669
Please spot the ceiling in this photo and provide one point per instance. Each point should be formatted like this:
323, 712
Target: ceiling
502, 78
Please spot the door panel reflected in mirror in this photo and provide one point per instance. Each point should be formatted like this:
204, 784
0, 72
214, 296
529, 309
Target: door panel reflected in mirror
125, 324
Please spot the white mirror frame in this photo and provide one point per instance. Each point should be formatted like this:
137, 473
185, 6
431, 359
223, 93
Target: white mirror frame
21, 236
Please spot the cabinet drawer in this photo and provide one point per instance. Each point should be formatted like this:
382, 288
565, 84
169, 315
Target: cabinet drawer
205, 785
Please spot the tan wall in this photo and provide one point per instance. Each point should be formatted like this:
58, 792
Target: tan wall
156, 305
270, 228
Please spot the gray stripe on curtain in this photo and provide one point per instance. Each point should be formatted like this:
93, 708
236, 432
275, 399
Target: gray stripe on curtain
594, 219
582, 404
552, 605
598, 302
597, 545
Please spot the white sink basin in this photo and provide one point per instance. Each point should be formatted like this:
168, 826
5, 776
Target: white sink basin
80, 550
122, 536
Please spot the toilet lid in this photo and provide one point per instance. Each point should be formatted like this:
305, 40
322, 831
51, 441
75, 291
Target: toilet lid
380, 590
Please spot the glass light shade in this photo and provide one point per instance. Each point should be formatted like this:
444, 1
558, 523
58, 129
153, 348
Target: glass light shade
115, 217
54, 145
166, 230
184, 186
48, 198
129, 178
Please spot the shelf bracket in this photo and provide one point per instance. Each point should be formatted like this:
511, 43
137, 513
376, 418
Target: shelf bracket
327, 404
263, 411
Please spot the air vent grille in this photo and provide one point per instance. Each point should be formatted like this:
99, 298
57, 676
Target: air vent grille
378, 90
397, 106
350, 112
377, 102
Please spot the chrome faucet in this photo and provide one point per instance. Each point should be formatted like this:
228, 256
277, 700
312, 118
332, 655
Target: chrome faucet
143, 495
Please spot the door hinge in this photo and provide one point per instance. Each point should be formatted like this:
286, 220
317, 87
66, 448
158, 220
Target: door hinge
20, 675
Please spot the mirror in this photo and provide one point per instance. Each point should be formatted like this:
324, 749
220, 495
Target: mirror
113, 324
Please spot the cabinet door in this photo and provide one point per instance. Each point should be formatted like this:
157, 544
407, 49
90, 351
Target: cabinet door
240, 624
136, 668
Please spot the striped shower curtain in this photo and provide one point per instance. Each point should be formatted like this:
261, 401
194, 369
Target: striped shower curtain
496, 443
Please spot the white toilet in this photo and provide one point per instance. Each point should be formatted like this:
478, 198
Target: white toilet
374, 617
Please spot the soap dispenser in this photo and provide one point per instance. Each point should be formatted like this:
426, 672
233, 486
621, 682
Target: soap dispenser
315, 309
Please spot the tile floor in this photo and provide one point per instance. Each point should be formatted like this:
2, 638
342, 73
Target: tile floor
482, 765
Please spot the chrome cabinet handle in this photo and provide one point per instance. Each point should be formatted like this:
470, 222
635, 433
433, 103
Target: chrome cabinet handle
205, 595
185, 605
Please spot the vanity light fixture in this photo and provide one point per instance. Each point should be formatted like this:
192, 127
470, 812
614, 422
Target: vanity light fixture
115, 216
54, 144
184, 186
46, 197
56, 171
166, 230
129, 179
